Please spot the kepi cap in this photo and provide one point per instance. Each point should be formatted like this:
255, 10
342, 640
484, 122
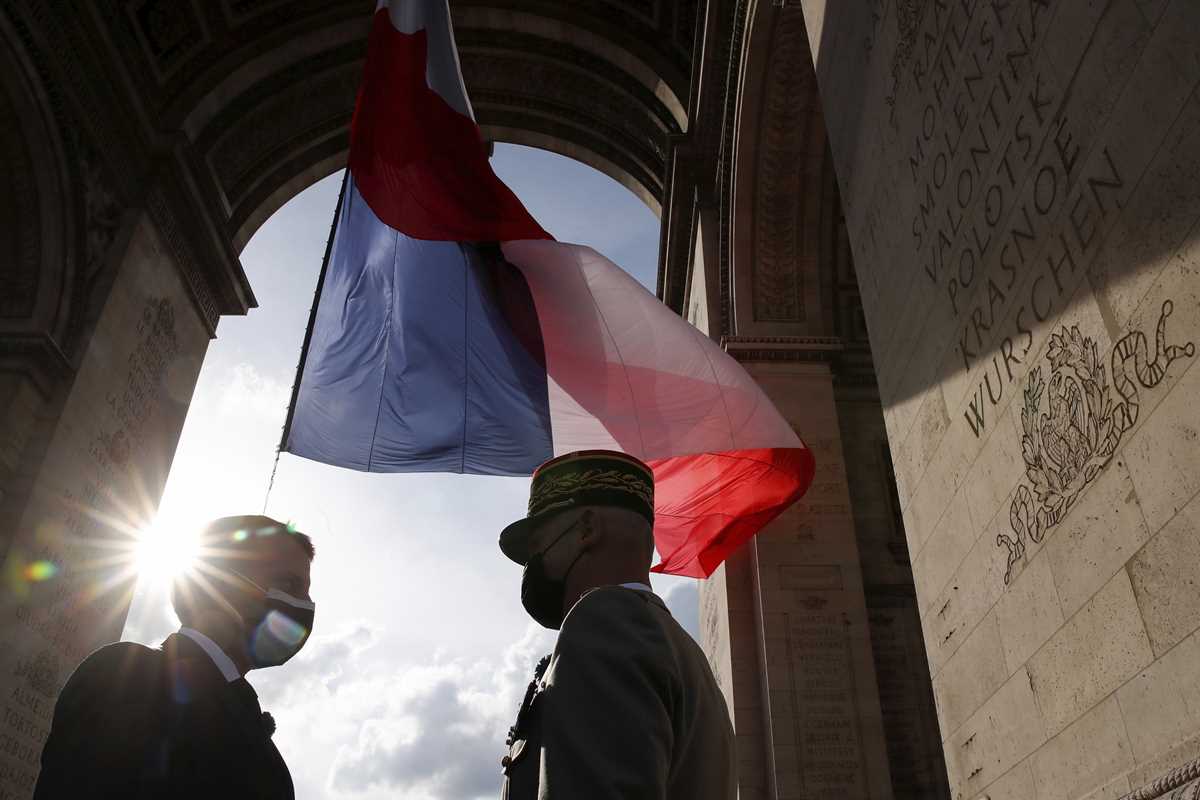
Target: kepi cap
582, 478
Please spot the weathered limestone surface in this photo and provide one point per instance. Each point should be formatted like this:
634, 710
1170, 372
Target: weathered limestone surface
1021, 182
101, 478
795, 597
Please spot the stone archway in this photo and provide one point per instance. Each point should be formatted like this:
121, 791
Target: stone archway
42, 250
263, 91
150, 138
824, 598
202, 118
145, 141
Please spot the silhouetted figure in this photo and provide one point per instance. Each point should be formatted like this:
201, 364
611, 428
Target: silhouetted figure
181, 721
627, 706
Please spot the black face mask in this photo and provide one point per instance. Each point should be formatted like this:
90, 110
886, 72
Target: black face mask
279, 628
541, 595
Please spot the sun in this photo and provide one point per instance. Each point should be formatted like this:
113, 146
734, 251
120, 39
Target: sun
166, 551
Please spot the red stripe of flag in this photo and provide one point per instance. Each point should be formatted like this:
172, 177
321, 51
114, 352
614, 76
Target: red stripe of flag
420, 165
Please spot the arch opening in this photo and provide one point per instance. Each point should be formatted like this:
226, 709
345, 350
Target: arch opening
268, 114
384, 543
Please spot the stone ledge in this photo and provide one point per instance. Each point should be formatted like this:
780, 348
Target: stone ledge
823, 349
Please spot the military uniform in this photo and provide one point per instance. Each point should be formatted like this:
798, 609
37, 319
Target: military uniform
626, 707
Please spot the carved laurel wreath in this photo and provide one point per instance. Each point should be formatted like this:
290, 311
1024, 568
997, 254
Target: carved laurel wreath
558, 488
1067, 446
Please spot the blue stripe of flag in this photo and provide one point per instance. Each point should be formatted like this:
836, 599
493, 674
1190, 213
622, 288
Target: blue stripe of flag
425, 357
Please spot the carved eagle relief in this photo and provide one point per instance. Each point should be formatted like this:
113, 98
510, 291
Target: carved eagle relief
1071, 427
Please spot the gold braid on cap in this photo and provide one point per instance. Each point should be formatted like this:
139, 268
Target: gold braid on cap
552, 491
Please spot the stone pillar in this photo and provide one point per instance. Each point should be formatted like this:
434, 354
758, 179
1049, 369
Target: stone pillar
803, 681
1022, 191
69, 572
909, 720
730, 634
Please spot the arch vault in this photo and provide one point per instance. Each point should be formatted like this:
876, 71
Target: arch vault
146, 140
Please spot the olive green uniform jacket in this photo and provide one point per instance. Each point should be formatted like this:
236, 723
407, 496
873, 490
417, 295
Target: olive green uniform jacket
627, 707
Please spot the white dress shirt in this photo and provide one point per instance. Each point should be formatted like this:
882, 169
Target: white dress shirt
214, 651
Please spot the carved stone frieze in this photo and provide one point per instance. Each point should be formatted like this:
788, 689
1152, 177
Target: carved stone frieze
20, 264
169, 31
102, 208
733, 49
266, 128
61, 237
172, 46
101, 214
1073, 421
823, 349
1182, 783
784, 174
239, 10
572, 95
908, 16
68, 67
166, 219
481, 72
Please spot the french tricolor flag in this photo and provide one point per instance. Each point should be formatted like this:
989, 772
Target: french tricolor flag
453, 334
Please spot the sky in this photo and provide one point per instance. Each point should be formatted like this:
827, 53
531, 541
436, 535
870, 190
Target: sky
421, 651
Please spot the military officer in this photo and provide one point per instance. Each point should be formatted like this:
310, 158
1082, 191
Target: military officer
626, 706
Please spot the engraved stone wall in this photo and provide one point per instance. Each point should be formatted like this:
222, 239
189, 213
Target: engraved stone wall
1022, 190
69, 573
803, 690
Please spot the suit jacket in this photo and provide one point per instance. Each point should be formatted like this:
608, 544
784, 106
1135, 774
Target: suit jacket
626, 708
138, 722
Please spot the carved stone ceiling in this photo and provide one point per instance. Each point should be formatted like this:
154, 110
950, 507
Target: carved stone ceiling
18, 227
263, 89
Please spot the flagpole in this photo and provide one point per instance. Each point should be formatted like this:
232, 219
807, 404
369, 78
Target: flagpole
312, 321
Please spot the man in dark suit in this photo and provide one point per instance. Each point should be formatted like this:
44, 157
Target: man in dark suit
627, 706
181, 721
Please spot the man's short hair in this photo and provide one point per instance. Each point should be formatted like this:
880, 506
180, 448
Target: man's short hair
227, 544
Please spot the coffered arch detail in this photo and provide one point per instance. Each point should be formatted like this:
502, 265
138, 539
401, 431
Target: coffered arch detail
38, 213
264, 90
783, 236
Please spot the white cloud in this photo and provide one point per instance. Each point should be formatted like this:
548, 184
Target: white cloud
683, 599
354, 723
248, 393
441, 728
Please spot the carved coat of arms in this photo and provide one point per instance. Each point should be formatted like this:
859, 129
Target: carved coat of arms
1072, 423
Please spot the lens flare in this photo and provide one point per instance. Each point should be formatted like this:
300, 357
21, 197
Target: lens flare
163, 553
277, 638
40, 571
284, 628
